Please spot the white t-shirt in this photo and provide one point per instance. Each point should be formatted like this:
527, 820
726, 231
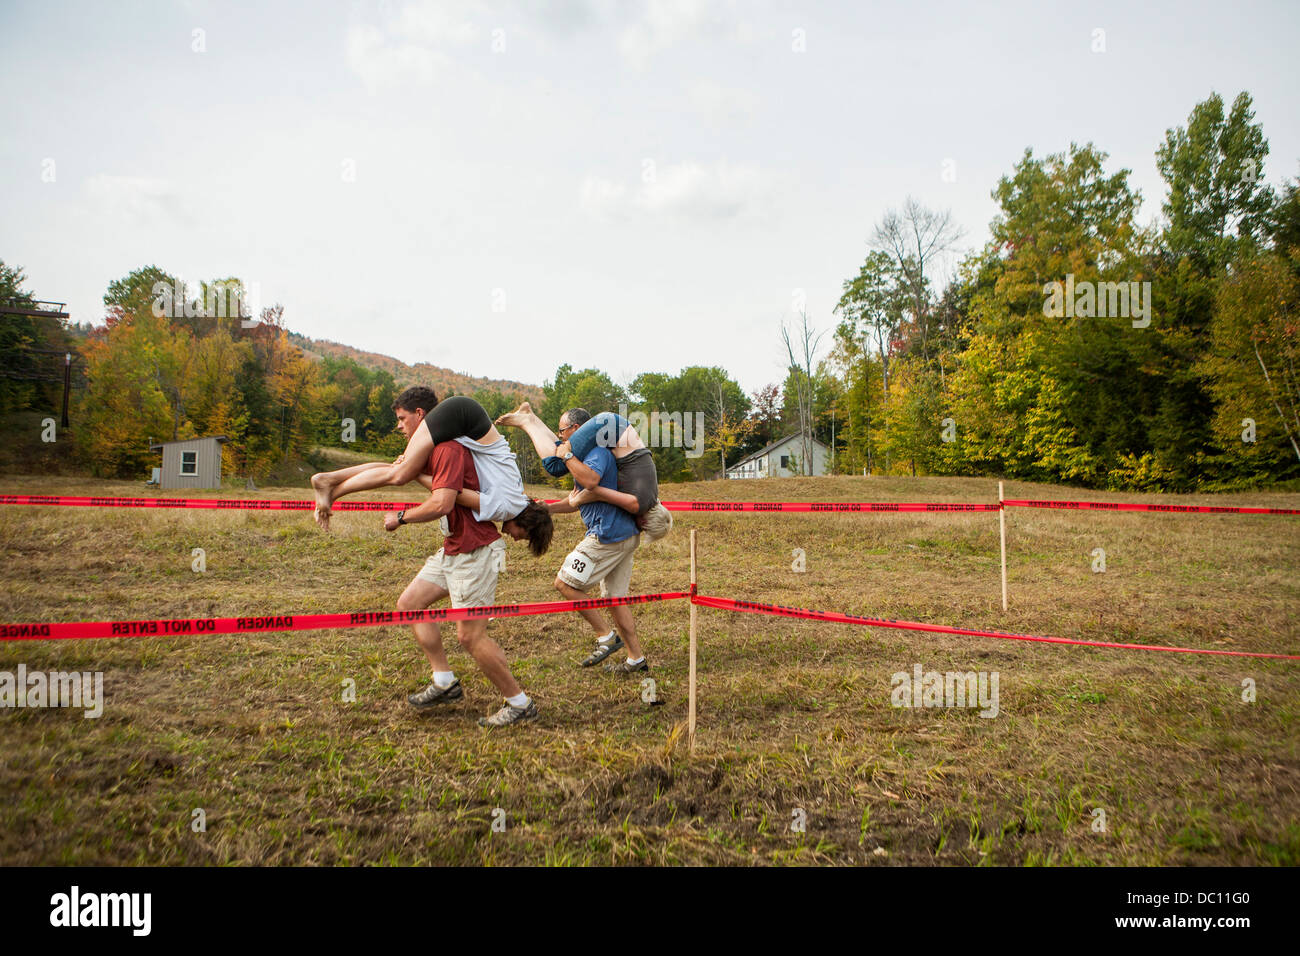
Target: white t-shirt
501, 487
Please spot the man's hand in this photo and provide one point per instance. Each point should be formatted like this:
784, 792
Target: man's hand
581, 496
390, 521
562, 449
399, 459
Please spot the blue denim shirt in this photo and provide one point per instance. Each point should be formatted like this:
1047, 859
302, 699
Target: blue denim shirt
602, 430
609, 523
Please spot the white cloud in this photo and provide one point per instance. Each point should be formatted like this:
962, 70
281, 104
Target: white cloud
663, 23
440, 22
381, 63
603, 199
723, 103
411, 46
135, 200
682, 191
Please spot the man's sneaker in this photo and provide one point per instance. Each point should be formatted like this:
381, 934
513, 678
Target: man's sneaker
509, 714
433, 695
624, 668
603, 651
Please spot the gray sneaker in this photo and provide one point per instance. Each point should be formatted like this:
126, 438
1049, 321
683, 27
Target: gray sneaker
433, 695
603, 651
624, 668
510, 714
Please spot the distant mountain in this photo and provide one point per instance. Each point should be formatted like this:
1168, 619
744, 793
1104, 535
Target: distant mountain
441, 380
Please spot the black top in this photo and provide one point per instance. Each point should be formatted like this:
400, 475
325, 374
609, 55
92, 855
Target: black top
457, 417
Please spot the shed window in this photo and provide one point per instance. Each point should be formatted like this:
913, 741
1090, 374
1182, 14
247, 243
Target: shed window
189, 463
785, 461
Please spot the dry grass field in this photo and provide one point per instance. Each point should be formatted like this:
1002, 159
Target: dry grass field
796, 719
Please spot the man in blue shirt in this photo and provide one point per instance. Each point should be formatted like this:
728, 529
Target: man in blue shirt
604, 556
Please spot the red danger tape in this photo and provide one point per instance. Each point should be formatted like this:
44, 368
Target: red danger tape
267, 504
827, 506
236, 504
753, 607
181, 627
787, 507
1122, 506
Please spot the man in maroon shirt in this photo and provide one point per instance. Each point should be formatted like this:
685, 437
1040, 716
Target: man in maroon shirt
466, 568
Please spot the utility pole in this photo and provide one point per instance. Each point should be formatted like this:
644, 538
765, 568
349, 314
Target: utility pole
67, 385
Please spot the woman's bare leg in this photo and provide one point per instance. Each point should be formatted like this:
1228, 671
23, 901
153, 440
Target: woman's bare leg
347, 481
324, 481
544, 440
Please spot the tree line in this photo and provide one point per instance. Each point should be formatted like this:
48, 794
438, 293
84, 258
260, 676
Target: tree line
1077, 345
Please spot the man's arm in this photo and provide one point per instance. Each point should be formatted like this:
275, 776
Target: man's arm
619, 498
466, 498
581, 473
563, 506
438, 504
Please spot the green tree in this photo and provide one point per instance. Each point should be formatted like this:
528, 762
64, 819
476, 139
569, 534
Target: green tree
129, 365
589, 388
1215, 171
1252, 365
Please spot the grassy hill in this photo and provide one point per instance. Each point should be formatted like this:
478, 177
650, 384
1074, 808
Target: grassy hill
441, 380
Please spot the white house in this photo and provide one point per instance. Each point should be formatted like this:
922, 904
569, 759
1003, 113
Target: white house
781, 460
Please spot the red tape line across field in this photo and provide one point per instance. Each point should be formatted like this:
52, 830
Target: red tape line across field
1124, 506
754, 607
180, 627
787, 507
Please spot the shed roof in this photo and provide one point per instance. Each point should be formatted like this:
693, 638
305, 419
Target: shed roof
158, 446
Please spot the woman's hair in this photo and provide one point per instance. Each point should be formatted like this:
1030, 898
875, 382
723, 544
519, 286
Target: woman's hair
536, 521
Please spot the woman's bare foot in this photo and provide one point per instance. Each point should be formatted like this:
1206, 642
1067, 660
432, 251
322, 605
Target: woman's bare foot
321, 485
518, 417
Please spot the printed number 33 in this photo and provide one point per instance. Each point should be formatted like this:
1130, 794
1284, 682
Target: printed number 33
579, 566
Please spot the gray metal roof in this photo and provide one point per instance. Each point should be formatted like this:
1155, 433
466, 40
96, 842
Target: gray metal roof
185, 441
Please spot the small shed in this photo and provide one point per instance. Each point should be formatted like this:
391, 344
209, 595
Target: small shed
781, 460
194, 463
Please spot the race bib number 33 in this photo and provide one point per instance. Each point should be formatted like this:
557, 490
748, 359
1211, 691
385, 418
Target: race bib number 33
578, 567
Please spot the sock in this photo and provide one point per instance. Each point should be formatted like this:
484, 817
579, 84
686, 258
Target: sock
637, 661
608, 638
444, 678
519, 700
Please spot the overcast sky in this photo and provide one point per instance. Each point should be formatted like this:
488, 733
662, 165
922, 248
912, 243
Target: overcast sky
500, 188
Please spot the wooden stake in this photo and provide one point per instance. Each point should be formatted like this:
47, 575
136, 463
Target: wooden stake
690, 713
1002, 528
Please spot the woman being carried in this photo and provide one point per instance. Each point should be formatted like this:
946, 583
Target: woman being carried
425, 421
638, 481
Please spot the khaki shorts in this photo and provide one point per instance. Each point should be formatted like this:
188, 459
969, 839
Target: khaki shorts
470, 579
658, 522
591, 562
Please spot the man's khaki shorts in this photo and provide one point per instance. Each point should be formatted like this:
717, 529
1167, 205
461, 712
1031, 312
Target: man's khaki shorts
658, 522
470, 579
610, 565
